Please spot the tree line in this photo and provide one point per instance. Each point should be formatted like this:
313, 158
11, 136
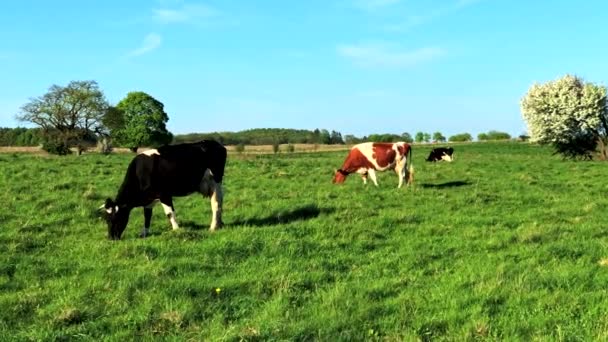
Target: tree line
266, 136
568, 113
21, 136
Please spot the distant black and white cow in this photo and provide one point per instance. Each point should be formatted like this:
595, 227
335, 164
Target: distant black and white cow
170, 171
441, 153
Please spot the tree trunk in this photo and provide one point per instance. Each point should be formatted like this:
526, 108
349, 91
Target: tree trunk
133, 149
602, 147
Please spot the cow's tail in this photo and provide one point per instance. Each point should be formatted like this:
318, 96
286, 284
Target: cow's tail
409, 167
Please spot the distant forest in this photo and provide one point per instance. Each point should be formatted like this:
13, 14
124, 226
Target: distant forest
260, 136
20, 136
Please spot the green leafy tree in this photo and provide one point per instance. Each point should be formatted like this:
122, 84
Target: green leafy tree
69, 115
383, 137
493, 135
497, 135
325, 137
336, 138
113, 120
143, 122
438, 137
462, 137
405, 136
569, 114
350, 139
426, 137
419, 137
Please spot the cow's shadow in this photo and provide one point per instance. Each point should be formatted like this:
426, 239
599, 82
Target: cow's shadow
303, 213
453, 184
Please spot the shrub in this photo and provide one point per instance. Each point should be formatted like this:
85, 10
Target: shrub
461, 137
56, 147
493, 135
240, 148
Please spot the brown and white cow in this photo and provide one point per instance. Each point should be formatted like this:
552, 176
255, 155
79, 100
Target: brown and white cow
367, 158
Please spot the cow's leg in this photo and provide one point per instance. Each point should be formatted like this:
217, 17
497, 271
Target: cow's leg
401, 170
169, 211
372, 176
217, 198
147, 219
364, 177
213, 190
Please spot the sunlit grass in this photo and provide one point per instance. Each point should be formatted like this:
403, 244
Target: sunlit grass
508, 242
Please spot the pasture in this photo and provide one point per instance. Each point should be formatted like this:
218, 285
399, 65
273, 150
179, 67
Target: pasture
506, 243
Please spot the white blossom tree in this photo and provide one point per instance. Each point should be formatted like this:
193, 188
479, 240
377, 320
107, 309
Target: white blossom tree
569, 114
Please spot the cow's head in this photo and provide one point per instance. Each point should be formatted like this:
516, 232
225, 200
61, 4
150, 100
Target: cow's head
117, 218
339, 176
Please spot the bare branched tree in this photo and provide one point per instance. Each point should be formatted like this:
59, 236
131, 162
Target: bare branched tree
69, 115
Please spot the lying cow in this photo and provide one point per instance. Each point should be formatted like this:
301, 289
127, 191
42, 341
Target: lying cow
367, 158
170, 171
441, 153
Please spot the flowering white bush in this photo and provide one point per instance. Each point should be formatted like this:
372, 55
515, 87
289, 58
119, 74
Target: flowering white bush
562, 111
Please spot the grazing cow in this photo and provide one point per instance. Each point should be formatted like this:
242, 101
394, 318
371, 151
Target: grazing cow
441, 153
170, 171
367, 158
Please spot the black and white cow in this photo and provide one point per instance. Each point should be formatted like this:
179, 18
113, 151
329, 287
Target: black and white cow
441, 153
170, 171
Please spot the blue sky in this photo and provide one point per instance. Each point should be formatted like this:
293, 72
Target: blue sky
354, 66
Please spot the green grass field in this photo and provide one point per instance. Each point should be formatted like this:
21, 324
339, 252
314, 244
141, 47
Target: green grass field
506, 243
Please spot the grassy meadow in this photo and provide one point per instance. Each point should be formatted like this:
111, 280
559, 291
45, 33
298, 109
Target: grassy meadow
506, 243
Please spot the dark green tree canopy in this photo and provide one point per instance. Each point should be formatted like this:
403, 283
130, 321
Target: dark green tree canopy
462, 137
143, 121
438, 137
493, 135
405, 136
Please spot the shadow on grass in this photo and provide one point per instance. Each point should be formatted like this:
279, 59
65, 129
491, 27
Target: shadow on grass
281, 217
298, 214
454, 184
193, 225
287, 216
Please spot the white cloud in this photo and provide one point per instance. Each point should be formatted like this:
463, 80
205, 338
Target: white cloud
151, 42
383, 56
184, 13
